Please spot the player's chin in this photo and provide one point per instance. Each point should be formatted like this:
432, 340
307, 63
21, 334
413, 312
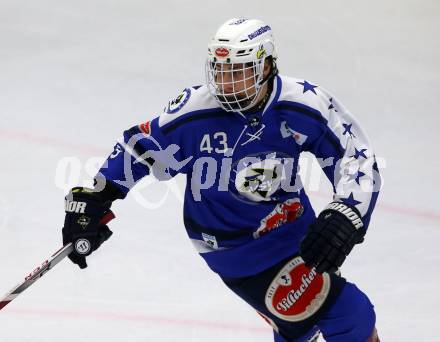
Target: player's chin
236, 101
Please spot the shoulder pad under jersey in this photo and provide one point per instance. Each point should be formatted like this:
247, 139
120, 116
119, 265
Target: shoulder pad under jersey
190, 100
308, 94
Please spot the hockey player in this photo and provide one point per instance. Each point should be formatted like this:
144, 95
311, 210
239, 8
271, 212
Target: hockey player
238, 139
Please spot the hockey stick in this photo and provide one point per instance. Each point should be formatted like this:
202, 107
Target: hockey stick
45, 267
36, 274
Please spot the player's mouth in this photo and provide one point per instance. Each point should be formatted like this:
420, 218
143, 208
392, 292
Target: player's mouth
236, 101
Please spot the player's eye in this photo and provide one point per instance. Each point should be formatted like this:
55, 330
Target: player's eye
238, 73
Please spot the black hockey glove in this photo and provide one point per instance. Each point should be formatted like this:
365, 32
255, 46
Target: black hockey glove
85, 224
332, 237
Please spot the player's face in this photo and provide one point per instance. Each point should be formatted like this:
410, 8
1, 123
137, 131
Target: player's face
238, 86
236, 80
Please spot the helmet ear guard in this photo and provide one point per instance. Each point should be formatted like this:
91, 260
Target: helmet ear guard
240, 45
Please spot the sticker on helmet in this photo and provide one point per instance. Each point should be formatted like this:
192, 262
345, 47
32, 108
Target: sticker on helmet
221, 52
297, 292
177, 104
261, 52
259, 32
238, 22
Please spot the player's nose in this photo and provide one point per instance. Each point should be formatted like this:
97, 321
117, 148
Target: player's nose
225, 82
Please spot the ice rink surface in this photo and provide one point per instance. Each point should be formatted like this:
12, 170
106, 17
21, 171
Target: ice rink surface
75, 74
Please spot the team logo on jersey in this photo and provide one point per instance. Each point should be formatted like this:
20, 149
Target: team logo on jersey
221, 52
297, 292
286, 132
258, 180
177, 104
145, 128
283, 213
259, 177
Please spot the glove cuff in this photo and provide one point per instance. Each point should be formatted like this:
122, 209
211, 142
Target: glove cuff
348, 211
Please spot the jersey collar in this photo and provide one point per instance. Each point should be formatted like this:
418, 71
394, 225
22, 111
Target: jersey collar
277, 85
274, 96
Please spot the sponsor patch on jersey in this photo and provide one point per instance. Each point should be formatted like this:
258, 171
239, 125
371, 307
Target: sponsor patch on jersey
210, 240
145, 128
286, 132
297, 292
221, 52
177, 104
283, 213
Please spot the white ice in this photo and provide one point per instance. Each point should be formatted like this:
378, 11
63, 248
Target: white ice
75, 74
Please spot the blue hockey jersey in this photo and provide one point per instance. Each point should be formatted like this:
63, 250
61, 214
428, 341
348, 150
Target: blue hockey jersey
245, 208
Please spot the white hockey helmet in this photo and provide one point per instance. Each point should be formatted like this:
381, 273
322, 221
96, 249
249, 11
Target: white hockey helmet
235, 63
